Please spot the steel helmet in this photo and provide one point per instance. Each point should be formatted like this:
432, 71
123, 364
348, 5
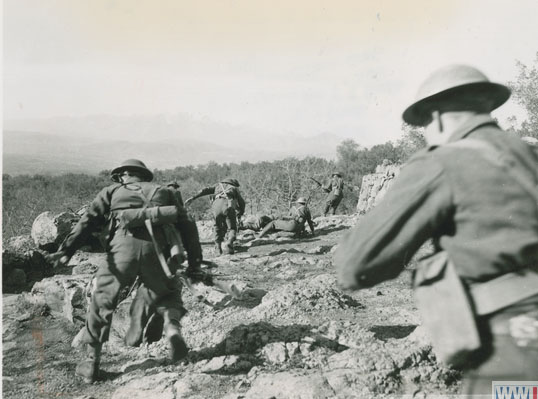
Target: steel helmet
337, 173
135, 165
450, 82
301, 200
231, 181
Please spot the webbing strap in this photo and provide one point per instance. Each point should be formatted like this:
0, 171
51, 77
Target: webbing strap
149, 227
504, 291
158, 250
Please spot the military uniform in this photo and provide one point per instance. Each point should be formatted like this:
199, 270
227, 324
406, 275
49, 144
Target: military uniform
131, 253
227, 206
175, 187
474, 210
299, 216
255, 222
335, 188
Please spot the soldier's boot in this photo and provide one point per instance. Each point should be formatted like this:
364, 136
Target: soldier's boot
266, 229
229, 244
177, 348
218, 247
89, 369
326, 210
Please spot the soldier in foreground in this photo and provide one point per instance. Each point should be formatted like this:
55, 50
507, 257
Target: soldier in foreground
473, 191
228, 205
132, 252
300, 215
335, 188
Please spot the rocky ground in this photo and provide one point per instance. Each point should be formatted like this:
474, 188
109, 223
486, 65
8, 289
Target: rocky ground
293, 333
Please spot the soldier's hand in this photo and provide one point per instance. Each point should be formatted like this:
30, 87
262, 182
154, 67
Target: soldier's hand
58, 259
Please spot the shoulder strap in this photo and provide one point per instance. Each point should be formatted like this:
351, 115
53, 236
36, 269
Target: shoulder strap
495, 157
147, 199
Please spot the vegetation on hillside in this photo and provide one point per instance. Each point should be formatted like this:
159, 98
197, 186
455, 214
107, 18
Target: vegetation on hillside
268, 187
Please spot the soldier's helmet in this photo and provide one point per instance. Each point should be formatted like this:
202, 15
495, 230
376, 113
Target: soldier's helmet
532, 141
231, 181
337, 173
301, 200
455, 82
173, 184
134, 165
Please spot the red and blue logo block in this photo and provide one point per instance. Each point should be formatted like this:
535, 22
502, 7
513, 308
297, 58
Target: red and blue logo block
514, 389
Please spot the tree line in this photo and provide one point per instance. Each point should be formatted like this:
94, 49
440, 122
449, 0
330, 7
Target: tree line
268, 187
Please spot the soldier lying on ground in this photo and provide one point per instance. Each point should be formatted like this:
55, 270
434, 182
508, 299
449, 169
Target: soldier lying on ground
227, 206
299, 216
254, 222
132, 252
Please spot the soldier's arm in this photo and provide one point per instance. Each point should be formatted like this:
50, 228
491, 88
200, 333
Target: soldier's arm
189, 235
241, 203
309, 221
389, 235
201, 193
91, 221
328, 187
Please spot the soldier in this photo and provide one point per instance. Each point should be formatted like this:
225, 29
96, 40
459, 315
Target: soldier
335, 188
255, 222
300, 215
473, 191
131, 253
228, 205
174, 185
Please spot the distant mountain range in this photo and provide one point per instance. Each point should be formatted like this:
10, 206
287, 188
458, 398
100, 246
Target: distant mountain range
94, 143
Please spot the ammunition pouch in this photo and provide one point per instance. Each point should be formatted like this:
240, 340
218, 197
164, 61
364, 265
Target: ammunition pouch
449, 309
158, 215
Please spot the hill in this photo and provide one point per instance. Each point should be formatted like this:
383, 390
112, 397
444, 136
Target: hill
95, 143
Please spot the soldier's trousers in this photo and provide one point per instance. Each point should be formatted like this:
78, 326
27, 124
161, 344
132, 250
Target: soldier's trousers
281, 225
225, 220
501, 359
130, 255
331, 204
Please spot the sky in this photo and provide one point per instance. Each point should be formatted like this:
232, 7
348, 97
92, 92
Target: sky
300, 67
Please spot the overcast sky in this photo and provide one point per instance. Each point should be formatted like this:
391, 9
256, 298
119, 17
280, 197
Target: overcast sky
297, 66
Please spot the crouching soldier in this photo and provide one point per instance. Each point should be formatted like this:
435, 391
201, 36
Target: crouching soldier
300, 215
134, 250
228, 205
473, 191
335, 188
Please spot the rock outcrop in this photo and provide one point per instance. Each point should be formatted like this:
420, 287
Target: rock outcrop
375, 185
49, 229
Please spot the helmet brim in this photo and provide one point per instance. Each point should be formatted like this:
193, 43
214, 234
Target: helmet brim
419, 112
146, 173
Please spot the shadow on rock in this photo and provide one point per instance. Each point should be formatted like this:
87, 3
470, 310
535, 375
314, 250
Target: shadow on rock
251, 338
385, 333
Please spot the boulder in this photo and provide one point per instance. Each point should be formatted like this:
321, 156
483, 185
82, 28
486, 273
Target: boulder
375, 185
49, 230
65, 296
